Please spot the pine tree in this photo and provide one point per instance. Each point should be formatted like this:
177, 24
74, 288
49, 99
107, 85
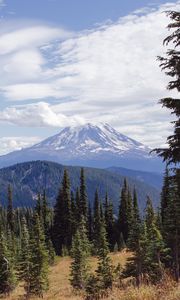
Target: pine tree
74, 222
156, 250
90, 223
171, 225
38, 207
165, 194
170, 64
104, 270
136, 265
45, 215
10, 212
80, 252
38, 279
125, 211
83, 196
171, 154
78, 209
46, 224
134, 233
96, 222
149, 215
7, 271
62, 227
109, 222
99, 283
24, 259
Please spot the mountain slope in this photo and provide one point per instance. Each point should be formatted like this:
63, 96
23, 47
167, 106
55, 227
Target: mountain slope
88, 145
27, 179
153, 179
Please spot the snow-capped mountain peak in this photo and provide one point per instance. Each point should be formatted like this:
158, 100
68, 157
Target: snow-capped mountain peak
91, 138
88, 145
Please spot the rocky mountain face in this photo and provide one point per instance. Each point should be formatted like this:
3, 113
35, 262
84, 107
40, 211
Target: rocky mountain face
89, 145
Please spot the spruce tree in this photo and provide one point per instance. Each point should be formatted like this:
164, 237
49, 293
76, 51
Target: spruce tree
109, 222
149, 215
98, 284
24, 259
7, 271
38, 207
125, 211
171, 225
96, 222
171, 154
80, 252
78, 209
73, 214
136, 265
90, 223
10, 211
156, 251
46, 224
62, 227
165, 194
38, 270
134, 233
170, 64
83, 196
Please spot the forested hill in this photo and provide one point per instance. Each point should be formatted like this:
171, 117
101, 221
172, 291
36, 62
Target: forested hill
27, 179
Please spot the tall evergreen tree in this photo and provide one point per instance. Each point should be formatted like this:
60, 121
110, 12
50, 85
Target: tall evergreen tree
125, 211
62, 227
80, 252
149, 215
74, 222
10, 211
83, 196
38, 207
171, 225
7, 270
165, 194
136, 265
90, 223
170, 64
135, 234
104, 270
156, 251
77, 204
109, 222
96, 222
171, 154
38, 271
24, 259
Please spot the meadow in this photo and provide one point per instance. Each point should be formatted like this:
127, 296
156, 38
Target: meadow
60, 288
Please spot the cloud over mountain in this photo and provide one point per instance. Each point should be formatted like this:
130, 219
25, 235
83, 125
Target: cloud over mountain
109, 73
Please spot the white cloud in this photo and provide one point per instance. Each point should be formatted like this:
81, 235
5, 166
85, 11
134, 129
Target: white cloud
9, 144
23, 54
107, 74
37, 115
28, 37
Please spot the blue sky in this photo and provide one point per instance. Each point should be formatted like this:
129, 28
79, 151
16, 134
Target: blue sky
67, 62
75, 14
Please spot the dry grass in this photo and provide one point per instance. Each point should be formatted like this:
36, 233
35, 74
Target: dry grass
60, 288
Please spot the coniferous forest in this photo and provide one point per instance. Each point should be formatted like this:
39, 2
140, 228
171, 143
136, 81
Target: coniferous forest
31, 239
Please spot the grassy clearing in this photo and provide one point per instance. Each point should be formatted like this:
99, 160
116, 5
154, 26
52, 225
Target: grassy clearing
60, 288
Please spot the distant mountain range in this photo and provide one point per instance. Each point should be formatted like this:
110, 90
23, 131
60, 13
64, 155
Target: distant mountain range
27, 179
153, 179
89, 145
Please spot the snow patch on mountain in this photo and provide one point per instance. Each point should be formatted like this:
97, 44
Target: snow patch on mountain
89, 145
91, 138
